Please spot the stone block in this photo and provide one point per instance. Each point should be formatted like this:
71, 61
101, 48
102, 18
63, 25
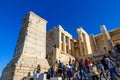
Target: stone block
56, 78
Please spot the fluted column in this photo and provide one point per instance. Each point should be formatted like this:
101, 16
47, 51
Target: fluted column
107, 39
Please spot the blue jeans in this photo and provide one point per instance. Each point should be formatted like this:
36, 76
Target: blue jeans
112, 72
83, 74
68, 75
90, 77
78, 77
104, 75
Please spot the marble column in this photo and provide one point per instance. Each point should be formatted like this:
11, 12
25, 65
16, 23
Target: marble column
81, 44
73, 48
93, 44
107, 39
85, 44
64, 43
60, 40
69, 46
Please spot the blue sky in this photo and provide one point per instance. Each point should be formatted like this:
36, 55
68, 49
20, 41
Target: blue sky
71, 14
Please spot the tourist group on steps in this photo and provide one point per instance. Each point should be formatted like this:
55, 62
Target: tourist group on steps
85, 69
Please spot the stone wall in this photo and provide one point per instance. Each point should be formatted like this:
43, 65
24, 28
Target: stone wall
30, 49
59, 43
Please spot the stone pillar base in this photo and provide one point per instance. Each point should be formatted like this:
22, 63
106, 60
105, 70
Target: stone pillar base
19, 68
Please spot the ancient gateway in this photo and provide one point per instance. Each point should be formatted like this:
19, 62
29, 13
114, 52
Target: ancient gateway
36, 46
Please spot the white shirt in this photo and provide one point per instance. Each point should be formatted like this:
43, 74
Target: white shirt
93, 71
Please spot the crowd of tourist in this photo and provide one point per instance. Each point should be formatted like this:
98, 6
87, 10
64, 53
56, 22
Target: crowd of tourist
117, 48
86, 69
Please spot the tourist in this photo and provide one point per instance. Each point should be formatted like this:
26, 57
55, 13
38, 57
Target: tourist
48, 73
55, 67
94, 71
82, 69
64, 72
90, 68
76, 67
36, 72
87, 63
52, 72
101, 71
60, 70
38, 68
68, 71
73, 64
104, 62
73, 67
111, 67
